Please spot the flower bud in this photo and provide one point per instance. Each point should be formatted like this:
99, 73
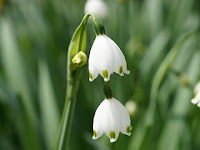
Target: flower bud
79, 59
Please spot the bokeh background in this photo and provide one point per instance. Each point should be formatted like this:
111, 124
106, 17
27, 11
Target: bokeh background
164, 65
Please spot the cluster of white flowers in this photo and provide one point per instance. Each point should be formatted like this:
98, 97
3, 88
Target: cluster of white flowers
196, 99
111, 116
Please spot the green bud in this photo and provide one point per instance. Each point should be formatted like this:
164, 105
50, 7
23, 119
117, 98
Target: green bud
79, 59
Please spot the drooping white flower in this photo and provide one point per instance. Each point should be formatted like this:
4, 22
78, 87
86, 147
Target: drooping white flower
197, 88
106, 58
196, 99
111, 118
96, 7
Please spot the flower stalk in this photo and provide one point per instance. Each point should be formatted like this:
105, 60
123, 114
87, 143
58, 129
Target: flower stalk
76, 60
78, 43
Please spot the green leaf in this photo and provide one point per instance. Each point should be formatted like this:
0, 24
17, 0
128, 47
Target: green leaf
175, 124
49, 109
17, 81
161, 73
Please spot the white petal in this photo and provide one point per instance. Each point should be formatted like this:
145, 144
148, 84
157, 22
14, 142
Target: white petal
194, 101
101, 57
125, 119
93, 73
197, 88
110, 118
98, 120
106, 58
119, 59
116, 134
198, 96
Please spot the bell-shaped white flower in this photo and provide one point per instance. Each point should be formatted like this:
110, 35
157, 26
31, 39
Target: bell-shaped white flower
96, 7
197, 88
111, 118
106, 58
196, 99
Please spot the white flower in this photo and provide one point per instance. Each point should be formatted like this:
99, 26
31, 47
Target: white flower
96, 7
106, 58
197, 88
196, 99
111, 117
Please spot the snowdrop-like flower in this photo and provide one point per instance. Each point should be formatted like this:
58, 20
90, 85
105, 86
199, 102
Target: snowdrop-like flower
111, 117
197, 88
196, 99
106, 58
96, 7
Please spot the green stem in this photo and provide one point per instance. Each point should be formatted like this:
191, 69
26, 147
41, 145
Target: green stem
71, 100
73, 78
98, 26
68, 111
107, 91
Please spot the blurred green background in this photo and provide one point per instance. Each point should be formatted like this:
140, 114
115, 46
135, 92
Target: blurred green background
34, 37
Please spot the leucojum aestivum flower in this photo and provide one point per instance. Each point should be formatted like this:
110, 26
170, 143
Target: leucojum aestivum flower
105, 58
196, 99
111, 118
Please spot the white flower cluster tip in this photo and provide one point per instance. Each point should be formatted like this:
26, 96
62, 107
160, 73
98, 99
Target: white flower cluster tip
106, 58
196, 99
111, 118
